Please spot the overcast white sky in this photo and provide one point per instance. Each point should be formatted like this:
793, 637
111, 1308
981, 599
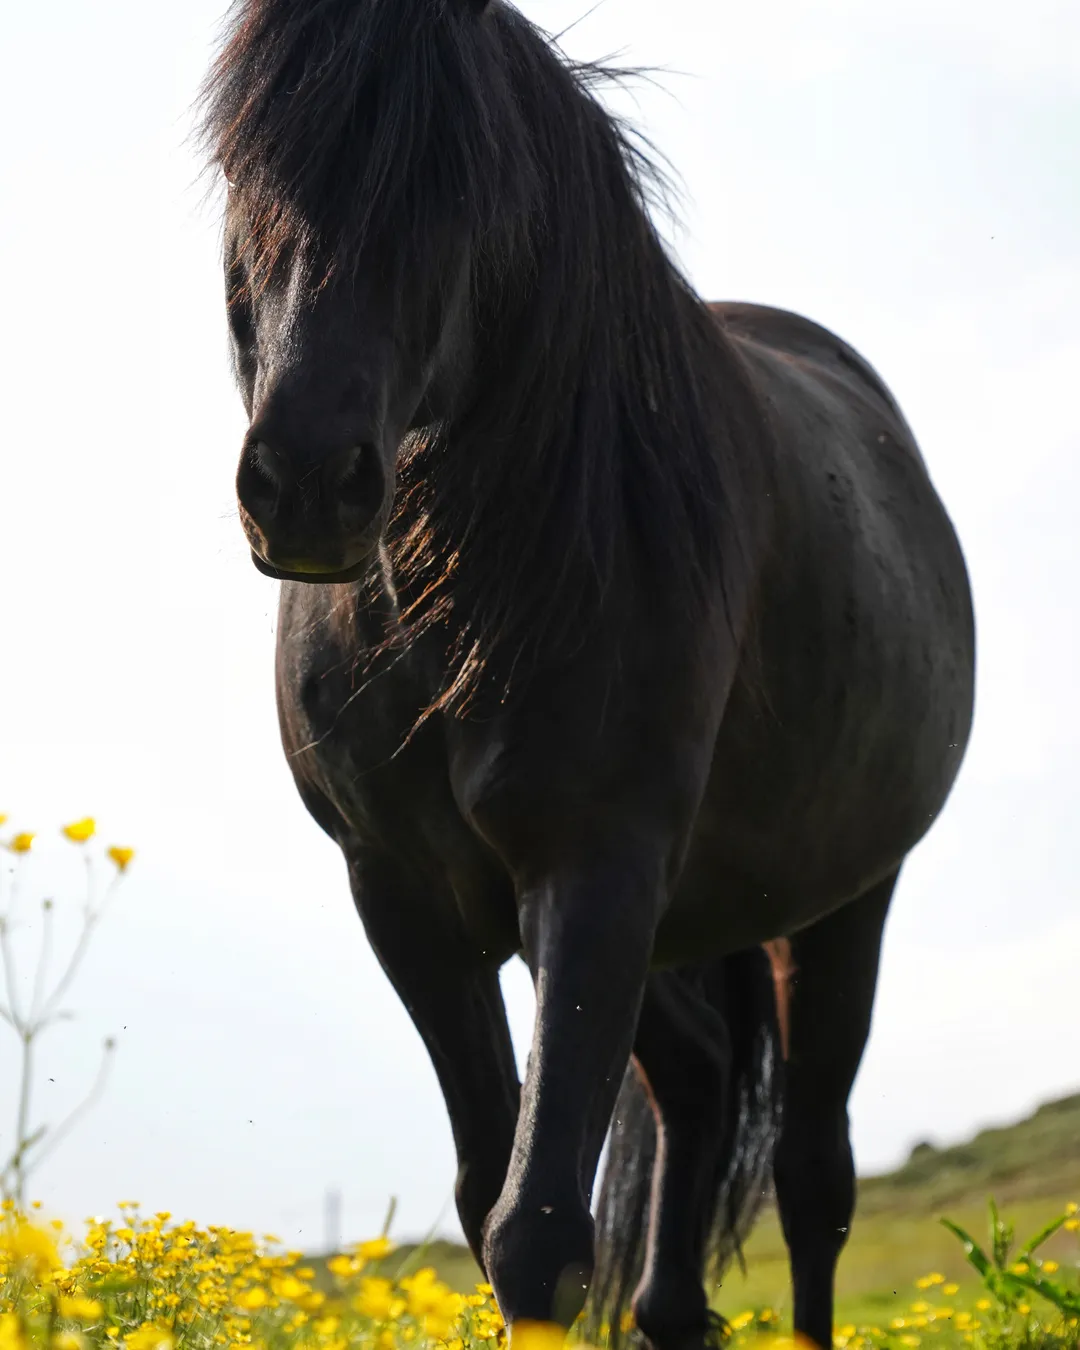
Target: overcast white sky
904, 171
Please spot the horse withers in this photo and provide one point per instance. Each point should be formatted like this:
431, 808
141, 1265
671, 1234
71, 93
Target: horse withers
617, 630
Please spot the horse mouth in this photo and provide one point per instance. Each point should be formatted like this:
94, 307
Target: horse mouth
312, 574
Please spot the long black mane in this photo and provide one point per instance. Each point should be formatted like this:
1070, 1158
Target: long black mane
607, 418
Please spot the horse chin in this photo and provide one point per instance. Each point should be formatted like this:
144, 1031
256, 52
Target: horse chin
313, 576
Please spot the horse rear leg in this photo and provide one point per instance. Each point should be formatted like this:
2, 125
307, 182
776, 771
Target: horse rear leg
832, 981
455, 1002
683, 1051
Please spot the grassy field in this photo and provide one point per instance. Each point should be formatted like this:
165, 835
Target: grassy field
1031, 1168
151, 1282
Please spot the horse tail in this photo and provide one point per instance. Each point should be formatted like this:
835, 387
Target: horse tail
748, 991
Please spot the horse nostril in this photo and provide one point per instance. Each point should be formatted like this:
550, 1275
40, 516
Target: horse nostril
257, 484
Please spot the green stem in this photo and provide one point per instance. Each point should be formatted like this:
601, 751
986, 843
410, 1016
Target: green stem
22, 1119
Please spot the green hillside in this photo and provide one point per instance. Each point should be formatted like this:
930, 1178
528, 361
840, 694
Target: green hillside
1031, 1168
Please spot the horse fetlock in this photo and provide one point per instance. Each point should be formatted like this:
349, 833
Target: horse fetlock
539, 1258
671, 1312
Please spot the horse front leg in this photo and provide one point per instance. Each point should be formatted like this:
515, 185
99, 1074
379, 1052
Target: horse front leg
587, 935
453, 996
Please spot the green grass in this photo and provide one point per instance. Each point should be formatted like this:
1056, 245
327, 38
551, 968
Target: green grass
1031, 1168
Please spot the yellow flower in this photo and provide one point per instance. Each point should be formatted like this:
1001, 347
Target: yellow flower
375, 1298
252, 1299
743, 1319
1072, 1207
22, 843
31, 1249
1050, 1267
983, 1304
79, 831
288, 1286
121, 856
375, 1249
3, 817
11, 1333
1019, 1268
951, 1289
910, 1340
150, 1336
80, 1309
69, 1340
1072, 1225
920, 1307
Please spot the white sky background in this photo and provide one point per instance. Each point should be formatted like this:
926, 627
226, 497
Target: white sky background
905, 173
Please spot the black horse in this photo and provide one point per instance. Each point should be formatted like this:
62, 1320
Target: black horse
619, 630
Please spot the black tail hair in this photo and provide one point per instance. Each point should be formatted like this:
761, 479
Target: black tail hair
741, 989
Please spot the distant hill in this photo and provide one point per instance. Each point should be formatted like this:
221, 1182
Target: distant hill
1036, 1157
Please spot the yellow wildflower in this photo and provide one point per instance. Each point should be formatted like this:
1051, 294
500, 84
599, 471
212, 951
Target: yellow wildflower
22, 843
3, 817
288, 1286
374, 1249
1023, 1309
983, 1304
910, 1340
252, 1299
30, 1248
121, 856
80, 1309
951, 1289
1072, 1208
79, 831
150, 1336
375, 1299
11, 1333
1019, 1268
741, 1320
69, 1340
920, 1307
1050, 1267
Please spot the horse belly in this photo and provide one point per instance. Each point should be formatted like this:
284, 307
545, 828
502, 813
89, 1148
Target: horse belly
840, 743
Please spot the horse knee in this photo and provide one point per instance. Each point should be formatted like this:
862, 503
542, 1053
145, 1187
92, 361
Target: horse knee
539, 1259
